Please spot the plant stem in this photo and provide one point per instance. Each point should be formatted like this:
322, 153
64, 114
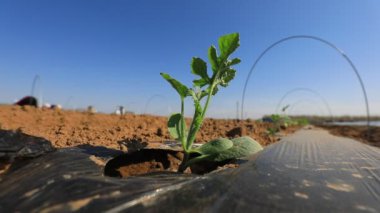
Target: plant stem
183, 138
183, 164
207, 102
194, 130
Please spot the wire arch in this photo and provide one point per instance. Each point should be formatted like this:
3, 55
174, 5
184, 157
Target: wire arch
306, 90
303, 101
319, 40
153, 97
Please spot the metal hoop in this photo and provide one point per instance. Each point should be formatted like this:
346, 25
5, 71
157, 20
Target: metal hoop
150, 100
307, 90
316, 39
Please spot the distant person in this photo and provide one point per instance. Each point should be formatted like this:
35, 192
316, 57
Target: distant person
27, 101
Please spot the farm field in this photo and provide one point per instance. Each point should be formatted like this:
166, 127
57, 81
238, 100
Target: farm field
72, 128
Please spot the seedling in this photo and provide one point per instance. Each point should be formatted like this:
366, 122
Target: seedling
283, 121
206, 86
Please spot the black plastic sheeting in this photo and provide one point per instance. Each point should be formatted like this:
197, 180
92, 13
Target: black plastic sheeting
310, 171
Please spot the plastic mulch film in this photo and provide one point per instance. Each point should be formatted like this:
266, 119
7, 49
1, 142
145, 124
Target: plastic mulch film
310, 171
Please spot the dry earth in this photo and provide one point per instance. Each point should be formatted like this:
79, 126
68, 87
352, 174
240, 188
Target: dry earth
72, 128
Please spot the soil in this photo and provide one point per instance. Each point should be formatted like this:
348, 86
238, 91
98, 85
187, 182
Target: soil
144, 161
72, 128
76, 129
158, 160
360, 133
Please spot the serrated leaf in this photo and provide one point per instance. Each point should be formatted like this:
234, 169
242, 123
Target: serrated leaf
178, 86
215, 146
242, 147
228, 44
234, 61
174, 125
213, 58
199, 67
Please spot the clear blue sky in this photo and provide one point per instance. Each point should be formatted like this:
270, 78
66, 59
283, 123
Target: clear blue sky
109, 53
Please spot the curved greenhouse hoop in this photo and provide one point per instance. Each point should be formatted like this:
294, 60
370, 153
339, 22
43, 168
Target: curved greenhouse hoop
306, 90
319, 40
153, 97
303, 101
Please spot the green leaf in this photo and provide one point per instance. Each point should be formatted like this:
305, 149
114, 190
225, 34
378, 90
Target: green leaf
214, 91
227, 45
200, 82
215, 146
213, 58
174, 125
226, 77
242, 147
275, 118
178, 86
234, 61
199, 67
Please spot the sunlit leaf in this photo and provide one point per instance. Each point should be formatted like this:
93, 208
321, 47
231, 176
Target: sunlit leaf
228, 44
213, 58
199, 67
234, 61
242, 147
174, 125
200, 82
215, 146
178, 86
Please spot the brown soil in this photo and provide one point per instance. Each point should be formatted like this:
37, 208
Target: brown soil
72, 128
143, 161
158, 160
360, 133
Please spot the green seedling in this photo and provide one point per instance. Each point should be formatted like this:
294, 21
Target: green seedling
205, 87
279, 121
284, 121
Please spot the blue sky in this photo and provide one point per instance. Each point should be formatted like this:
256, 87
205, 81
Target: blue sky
109, 53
